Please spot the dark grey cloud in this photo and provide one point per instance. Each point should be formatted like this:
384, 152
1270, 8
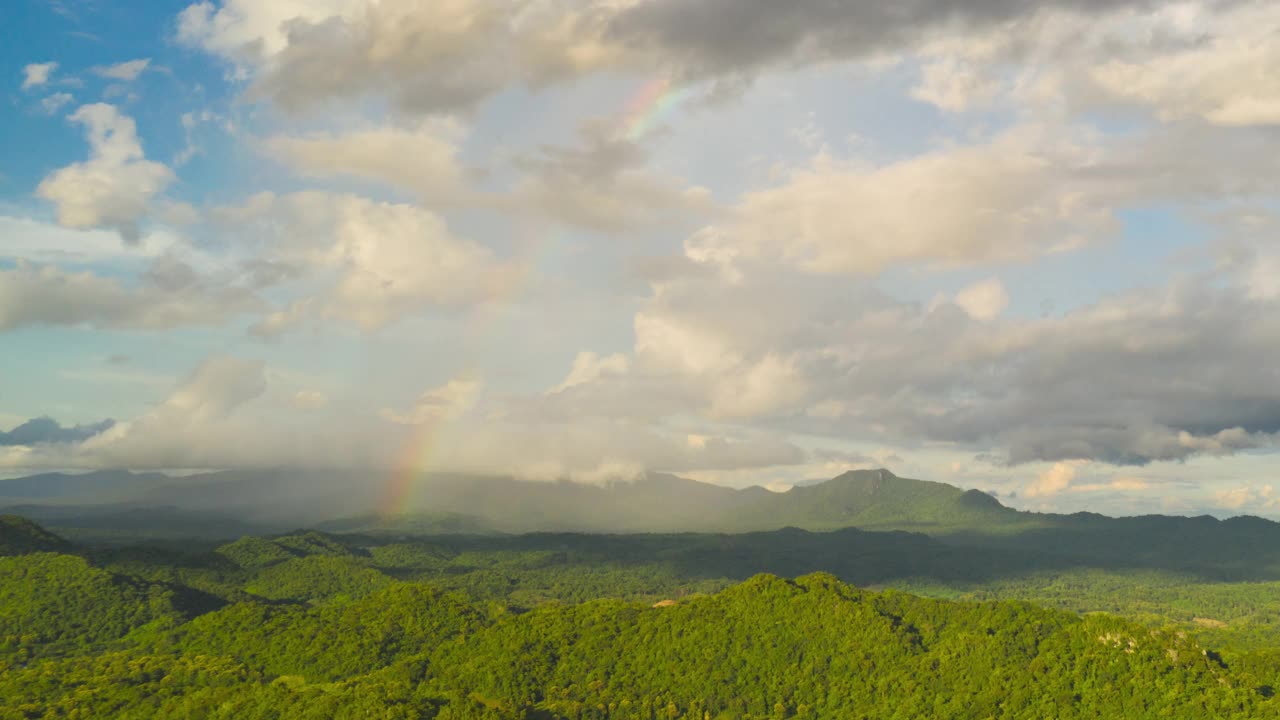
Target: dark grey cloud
46, 430
446, 57
718, 37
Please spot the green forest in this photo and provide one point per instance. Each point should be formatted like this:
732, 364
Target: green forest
788, 623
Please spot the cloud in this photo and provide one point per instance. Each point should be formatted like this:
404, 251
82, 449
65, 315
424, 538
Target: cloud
124, 71
954, 85
53, 103
446, 56
1248, 497
216, 388
1222, 73
598, 450
427, 57
45, 430
1025, 192
37, 74
278, 322
1054, 480
380, 261
984, 300
727, 37
46, 295
439, 404
589, 367
422, 160
1162, 374
602, 184
189, 427
310, 400
114, 188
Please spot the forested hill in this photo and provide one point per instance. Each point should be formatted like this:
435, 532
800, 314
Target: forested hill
79, 641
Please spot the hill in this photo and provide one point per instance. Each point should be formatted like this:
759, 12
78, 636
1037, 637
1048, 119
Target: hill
812, 647
19, 536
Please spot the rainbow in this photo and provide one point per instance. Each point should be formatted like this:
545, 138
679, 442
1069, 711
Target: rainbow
644, 110
423, 445
417, 455
654, 100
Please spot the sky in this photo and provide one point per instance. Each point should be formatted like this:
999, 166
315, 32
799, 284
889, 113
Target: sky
1028, 248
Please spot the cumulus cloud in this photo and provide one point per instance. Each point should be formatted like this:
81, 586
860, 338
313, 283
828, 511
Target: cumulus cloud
449, 55
422, 160
438, 404
1025, 192
1155, 375
984, 300
124, 71
45, 430
114, 187
1053, 481
426, 57
37, 74
172, 296
381, 260
1221, 74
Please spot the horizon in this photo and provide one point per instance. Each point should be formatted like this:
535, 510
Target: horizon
18, 504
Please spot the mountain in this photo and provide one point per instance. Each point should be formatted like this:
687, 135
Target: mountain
234, 503
877, 499
100, 485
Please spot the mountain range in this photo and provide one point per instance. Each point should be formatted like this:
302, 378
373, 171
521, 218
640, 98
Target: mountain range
226, 505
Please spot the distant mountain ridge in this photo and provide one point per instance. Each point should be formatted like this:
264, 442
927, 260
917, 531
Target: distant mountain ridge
235, 503
653, 502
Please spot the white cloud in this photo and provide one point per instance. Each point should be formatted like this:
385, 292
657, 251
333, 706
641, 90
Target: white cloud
124, 71
984, 300
310, 400
1023, 193
37, 74
385, 260
1247, 498
114, 188
955, 85
439, 404
422, 160
589, 367
1223, 73
53, 103
216, 388
1054, 480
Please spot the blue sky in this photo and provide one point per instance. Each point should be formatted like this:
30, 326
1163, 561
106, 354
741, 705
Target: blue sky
1022, 249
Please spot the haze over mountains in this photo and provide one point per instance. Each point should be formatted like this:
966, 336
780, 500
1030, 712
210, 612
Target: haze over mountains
654, 502
231, 504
